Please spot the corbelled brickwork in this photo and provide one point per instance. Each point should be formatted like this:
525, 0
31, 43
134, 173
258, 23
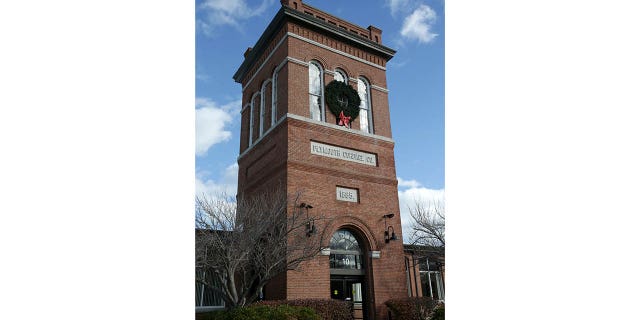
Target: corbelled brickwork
275, 84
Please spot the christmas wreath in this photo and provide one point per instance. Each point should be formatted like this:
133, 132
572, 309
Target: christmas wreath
343, 101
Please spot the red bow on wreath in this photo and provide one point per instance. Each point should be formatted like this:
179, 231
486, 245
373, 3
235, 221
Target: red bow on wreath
344, 120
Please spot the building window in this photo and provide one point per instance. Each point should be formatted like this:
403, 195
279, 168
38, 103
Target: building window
274, 97
263, 107
246, 120
364, 92
251, 123
316, 101
256, 114
432, 284
345, 251
207, 297
340, 75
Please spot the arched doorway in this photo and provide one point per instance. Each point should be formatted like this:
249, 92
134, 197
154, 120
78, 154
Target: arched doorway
347, 265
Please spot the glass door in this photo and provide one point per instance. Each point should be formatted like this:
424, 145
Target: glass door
349, 289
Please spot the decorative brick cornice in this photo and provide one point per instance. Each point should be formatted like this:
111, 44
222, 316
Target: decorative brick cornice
350, 49
269, 40
383, 51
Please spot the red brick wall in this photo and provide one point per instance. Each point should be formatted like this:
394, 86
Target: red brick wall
276, 289
265, 163
317, 177
299, 83
284, 154
298, 89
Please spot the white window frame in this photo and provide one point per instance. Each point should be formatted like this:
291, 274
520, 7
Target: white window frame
263, 109
342, 73
252, 109
439, 289
274, 92
367, 107
274, 96
321, 97
200, 304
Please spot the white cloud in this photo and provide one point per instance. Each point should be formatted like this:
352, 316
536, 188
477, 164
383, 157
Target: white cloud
417, 26
396, 64
202, 77
398, 5
228, 12
228, 183
408, 183
224, 189
408, 197
211, 123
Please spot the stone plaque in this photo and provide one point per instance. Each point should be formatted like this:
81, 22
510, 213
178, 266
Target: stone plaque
346, 194
330, 151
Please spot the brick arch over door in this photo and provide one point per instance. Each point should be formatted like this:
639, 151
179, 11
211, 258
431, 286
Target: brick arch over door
352, 223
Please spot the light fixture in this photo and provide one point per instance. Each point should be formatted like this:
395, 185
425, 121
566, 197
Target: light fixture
311, 227
386, 235
389, 232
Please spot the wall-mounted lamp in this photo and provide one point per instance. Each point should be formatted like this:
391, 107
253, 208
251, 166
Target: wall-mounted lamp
389, 235
311, 227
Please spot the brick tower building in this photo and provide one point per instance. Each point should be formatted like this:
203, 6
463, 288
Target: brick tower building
289, 136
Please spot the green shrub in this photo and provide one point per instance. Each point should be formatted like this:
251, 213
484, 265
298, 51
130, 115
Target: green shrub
260, 312
210, 315
327, 309
414, 308
438, 313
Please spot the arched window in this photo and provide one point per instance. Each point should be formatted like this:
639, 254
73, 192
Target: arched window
345, 251
364, 92
246, 123
340, 75
316, 101
251, 123
264, 104
255, 116
274, 96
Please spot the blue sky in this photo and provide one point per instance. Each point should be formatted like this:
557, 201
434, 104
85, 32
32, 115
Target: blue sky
415, 77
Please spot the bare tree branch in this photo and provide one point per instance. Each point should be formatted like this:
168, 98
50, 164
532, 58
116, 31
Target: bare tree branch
428, 223
247, 242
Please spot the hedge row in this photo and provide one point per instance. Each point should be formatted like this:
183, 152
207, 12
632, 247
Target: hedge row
261, 312
328, 309
416, 308
438, 313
